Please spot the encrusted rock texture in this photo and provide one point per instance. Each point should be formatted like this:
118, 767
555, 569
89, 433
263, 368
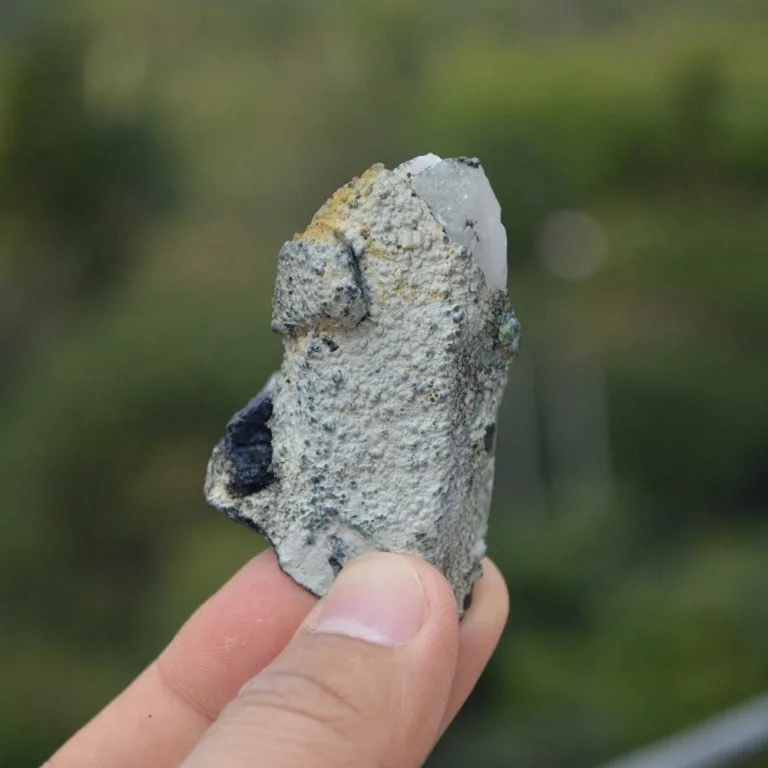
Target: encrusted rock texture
378, 432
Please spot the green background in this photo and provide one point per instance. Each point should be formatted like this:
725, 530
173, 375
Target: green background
153, 158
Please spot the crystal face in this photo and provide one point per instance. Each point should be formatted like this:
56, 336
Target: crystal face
460, 195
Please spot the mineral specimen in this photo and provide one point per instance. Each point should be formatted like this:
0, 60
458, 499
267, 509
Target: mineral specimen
378, 432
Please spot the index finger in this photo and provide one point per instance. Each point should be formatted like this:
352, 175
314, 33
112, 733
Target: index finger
157, 720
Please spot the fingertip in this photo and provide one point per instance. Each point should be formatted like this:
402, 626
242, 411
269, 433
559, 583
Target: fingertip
489, 608
439, 593
479, 634
486, 618
490, 603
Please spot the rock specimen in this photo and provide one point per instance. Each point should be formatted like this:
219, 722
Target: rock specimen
378, 432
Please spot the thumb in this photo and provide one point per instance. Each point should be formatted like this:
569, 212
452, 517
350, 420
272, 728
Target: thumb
364, 682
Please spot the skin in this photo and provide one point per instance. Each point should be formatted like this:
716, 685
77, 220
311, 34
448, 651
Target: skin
263, 673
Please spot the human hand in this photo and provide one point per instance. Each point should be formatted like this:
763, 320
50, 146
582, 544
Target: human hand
264, 674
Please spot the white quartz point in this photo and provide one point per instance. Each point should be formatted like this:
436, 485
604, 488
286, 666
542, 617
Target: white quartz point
461, 198
417, 164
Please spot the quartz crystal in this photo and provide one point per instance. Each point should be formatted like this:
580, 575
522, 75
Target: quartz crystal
378, 432
461, 198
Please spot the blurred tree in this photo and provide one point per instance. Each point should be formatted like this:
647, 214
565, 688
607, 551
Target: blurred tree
78, 187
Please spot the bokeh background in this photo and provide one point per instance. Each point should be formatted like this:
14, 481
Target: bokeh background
153, 158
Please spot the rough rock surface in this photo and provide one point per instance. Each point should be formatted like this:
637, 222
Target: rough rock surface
378, 432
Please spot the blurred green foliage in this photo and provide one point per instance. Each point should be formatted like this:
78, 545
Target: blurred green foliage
153, 156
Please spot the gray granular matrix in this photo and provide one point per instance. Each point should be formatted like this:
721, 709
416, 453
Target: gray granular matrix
378, 432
